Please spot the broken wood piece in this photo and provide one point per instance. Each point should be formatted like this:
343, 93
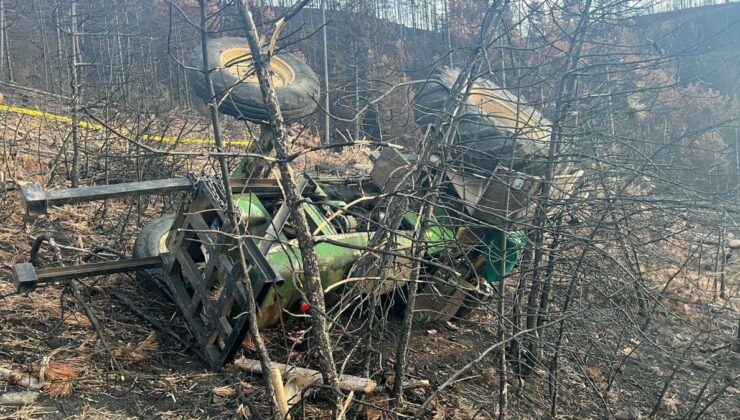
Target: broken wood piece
347, 402
295, 385
346, 382
415, 383
18, 398
19, 379
282, 400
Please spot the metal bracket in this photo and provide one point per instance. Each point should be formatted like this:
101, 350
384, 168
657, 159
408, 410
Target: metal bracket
202, 270
390, 169
278, 222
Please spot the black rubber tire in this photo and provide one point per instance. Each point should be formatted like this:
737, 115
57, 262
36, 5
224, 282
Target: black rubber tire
147, 245
297, 99
479, 134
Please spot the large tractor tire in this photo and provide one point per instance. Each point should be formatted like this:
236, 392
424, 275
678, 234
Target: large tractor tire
237, 88
152, 241
494, 124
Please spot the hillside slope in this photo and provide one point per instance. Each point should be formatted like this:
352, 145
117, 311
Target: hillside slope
704, 40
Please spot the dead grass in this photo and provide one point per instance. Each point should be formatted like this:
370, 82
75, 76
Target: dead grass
349, 160
59, 379
143, 351
28, 412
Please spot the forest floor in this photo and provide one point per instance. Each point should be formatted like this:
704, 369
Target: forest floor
48, 331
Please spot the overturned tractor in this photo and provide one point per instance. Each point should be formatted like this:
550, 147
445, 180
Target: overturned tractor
492, 171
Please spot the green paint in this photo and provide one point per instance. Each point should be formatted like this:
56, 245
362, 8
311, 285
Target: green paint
254, 214
316, 219
438, 237
491, 247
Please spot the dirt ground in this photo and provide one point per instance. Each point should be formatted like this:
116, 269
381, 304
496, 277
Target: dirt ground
155, 376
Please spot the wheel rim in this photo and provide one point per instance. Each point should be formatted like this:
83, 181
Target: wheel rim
507, 113
238, 62
163, 243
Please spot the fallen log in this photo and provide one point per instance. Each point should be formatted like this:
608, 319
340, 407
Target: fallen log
19, 379
729, 243
347, 383
415, 383
18, 398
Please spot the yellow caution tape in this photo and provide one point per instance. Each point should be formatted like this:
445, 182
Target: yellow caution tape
98, 127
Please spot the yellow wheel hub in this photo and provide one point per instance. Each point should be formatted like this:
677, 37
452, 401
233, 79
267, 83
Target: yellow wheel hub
507, 113
238, 61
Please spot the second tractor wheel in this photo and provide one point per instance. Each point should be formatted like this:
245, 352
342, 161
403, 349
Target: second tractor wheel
493, 123
152, 241
237, 88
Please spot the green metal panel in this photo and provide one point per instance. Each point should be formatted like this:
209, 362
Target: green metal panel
438, 237
317, 219
254, 214
491, 248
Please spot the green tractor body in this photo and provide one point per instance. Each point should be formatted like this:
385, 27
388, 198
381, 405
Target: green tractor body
338, 251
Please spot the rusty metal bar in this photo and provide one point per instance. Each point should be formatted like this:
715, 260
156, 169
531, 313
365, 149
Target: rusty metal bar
36, 201
26, 277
